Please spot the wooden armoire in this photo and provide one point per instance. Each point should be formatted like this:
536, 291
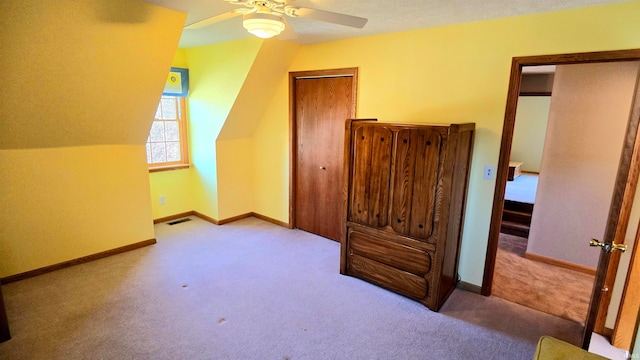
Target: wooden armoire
405, 189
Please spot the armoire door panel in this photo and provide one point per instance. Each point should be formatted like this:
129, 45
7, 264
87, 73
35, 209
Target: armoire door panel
424, 183
361, 160
402, 182
371, 174
415, 181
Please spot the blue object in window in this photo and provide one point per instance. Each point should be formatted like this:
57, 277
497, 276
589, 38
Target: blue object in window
177, 82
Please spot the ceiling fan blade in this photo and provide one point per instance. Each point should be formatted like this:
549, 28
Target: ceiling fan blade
215, 19
331, 17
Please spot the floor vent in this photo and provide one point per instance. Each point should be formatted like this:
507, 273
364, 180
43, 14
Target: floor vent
178, 221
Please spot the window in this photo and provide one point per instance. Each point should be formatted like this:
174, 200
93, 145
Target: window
167, 141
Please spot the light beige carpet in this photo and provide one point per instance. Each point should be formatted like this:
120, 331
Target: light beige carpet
553, 290
252, 290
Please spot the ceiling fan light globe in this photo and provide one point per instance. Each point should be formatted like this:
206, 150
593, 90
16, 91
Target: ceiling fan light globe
263, 25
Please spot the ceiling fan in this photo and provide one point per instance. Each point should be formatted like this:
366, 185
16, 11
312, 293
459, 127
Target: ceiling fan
264, 18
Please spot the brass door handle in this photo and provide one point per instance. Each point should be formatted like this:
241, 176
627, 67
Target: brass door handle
608, 247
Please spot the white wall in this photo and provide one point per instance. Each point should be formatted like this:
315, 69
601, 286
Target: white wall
530, 129
587, 121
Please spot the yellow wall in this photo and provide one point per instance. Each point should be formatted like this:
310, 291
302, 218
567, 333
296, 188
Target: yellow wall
174, 185
216, 75
454, 73
180, 59
271, 157
76, 73
231, 84
59, 204
235, 177
82, 82
269, 66
235, 153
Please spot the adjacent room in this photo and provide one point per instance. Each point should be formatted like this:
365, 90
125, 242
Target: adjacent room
558, 194
319, 179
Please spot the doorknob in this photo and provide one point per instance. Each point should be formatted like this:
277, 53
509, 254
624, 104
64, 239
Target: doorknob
608, 247
323, 168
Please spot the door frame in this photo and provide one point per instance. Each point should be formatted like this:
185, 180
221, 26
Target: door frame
293, 123
627, 320
625, 185
4, 321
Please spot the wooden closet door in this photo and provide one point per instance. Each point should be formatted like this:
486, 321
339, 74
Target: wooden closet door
371, 173
322, 106
415, 179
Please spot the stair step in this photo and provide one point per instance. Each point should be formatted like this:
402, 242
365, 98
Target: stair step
513, 228
517, 217
518, 206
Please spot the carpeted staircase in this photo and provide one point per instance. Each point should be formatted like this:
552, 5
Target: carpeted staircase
516, 218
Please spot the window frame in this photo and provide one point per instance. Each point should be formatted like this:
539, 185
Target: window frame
184, 139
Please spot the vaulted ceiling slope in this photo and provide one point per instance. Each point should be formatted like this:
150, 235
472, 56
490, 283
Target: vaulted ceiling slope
268, 70
83, 72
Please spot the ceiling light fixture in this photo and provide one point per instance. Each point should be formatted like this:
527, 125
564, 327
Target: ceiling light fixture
263, 24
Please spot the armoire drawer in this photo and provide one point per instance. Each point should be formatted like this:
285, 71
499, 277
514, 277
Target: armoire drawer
399, 256
388, 277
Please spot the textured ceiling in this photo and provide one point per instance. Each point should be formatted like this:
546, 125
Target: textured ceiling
384, 16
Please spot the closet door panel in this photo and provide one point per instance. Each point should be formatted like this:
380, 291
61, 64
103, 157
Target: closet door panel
371, 175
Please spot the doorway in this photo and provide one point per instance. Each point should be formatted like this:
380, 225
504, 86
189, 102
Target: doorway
625, 183
587, 119
320, 103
